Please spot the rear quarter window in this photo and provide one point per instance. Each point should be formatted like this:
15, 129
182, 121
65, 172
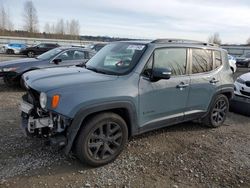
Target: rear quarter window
218, 59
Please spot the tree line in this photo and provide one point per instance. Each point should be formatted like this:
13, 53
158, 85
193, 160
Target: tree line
65, 29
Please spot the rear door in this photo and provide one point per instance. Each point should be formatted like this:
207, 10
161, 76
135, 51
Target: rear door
164, 101
41, 48
205, 80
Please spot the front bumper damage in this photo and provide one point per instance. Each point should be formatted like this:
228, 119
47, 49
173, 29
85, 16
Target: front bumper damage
37, 122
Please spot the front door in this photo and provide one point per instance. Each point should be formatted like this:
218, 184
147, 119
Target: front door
164, 101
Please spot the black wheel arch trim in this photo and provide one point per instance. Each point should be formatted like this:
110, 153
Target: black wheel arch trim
83, 113
219, 92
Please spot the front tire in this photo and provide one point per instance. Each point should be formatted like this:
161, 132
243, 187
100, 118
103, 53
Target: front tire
21, 83
101, 139
217, 113
8, 81
248, 65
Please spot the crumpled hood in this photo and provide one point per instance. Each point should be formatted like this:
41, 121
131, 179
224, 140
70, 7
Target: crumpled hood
54, 78
17, 63
245, 77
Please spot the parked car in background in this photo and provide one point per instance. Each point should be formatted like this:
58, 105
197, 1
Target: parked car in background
126, 89
11, 71
96, 47
241, 101
38, 49
232, 63
243, 60
14, 48
242, 86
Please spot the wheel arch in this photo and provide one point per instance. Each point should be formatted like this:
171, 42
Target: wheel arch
228, 92
124, 109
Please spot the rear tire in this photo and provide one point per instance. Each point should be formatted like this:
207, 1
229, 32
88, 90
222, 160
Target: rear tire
9, 51
101, 139
217, 113
31, 54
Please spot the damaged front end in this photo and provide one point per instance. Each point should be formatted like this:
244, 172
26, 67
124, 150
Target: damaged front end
38, 122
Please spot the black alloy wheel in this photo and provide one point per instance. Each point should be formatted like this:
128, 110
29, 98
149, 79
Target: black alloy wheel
218, 112
101, 139
31, 54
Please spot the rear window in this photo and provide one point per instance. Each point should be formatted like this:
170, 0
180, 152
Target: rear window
202, 61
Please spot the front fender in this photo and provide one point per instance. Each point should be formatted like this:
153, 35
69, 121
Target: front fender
86, 111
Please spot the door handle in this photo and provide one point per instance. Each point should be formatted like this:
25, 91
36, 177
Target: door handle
214, 81
182, 85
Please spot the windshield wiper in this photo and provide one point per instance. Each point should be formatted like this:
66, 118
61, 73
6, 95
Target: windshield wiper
95, 70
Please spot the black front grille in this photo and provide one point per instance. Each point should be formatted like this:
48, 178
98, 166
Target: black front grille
247, 83
245, 93
35, 95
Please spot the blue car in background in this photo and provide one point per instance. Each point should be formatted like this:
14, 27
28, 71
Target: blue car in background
14, 48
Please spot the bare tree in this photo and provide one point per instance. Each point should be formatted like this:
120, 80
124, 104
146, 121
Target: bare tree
47, 28
248, 41
5, 21
30, 17
60, 27
215, 38
3, 17
67, 27
74, 27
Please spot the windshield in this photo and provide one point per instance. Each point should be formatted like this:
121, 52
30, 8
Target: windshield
49, 54
116, 58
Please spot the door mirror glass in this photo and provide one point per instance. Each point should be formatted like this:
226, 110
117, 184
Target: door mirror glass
57, 61
161, 73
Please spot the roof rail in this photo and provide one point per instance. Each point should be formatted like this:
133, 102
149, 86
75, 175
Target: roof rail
184, 41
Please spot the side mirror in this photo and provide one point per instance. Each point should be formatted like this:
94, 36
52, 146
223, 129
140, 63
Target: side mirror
161, 74
57, 61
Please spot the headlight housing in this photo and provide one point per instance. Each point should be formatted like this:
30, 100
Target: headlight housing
10, 69
240, 80
43, 100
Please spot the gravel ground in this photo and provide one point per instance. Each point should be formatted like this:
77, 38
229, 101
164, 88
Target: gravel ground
184, 155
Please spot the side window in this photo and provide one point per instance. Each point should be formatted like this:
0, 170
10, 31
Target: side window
202, 61
42, 46
67, 56
173, 58
80, 55
218, 60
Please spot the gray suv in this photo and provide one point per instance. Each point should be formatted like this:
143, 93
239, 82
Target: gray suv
126, 89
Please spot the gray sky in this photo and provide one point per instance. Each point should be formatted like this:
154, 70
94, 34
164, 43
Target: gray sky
189, 19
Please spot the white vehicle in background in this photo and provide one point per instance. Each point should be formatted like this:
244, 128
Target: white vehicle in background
241, 101
242, 86
232, 63
14, 48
